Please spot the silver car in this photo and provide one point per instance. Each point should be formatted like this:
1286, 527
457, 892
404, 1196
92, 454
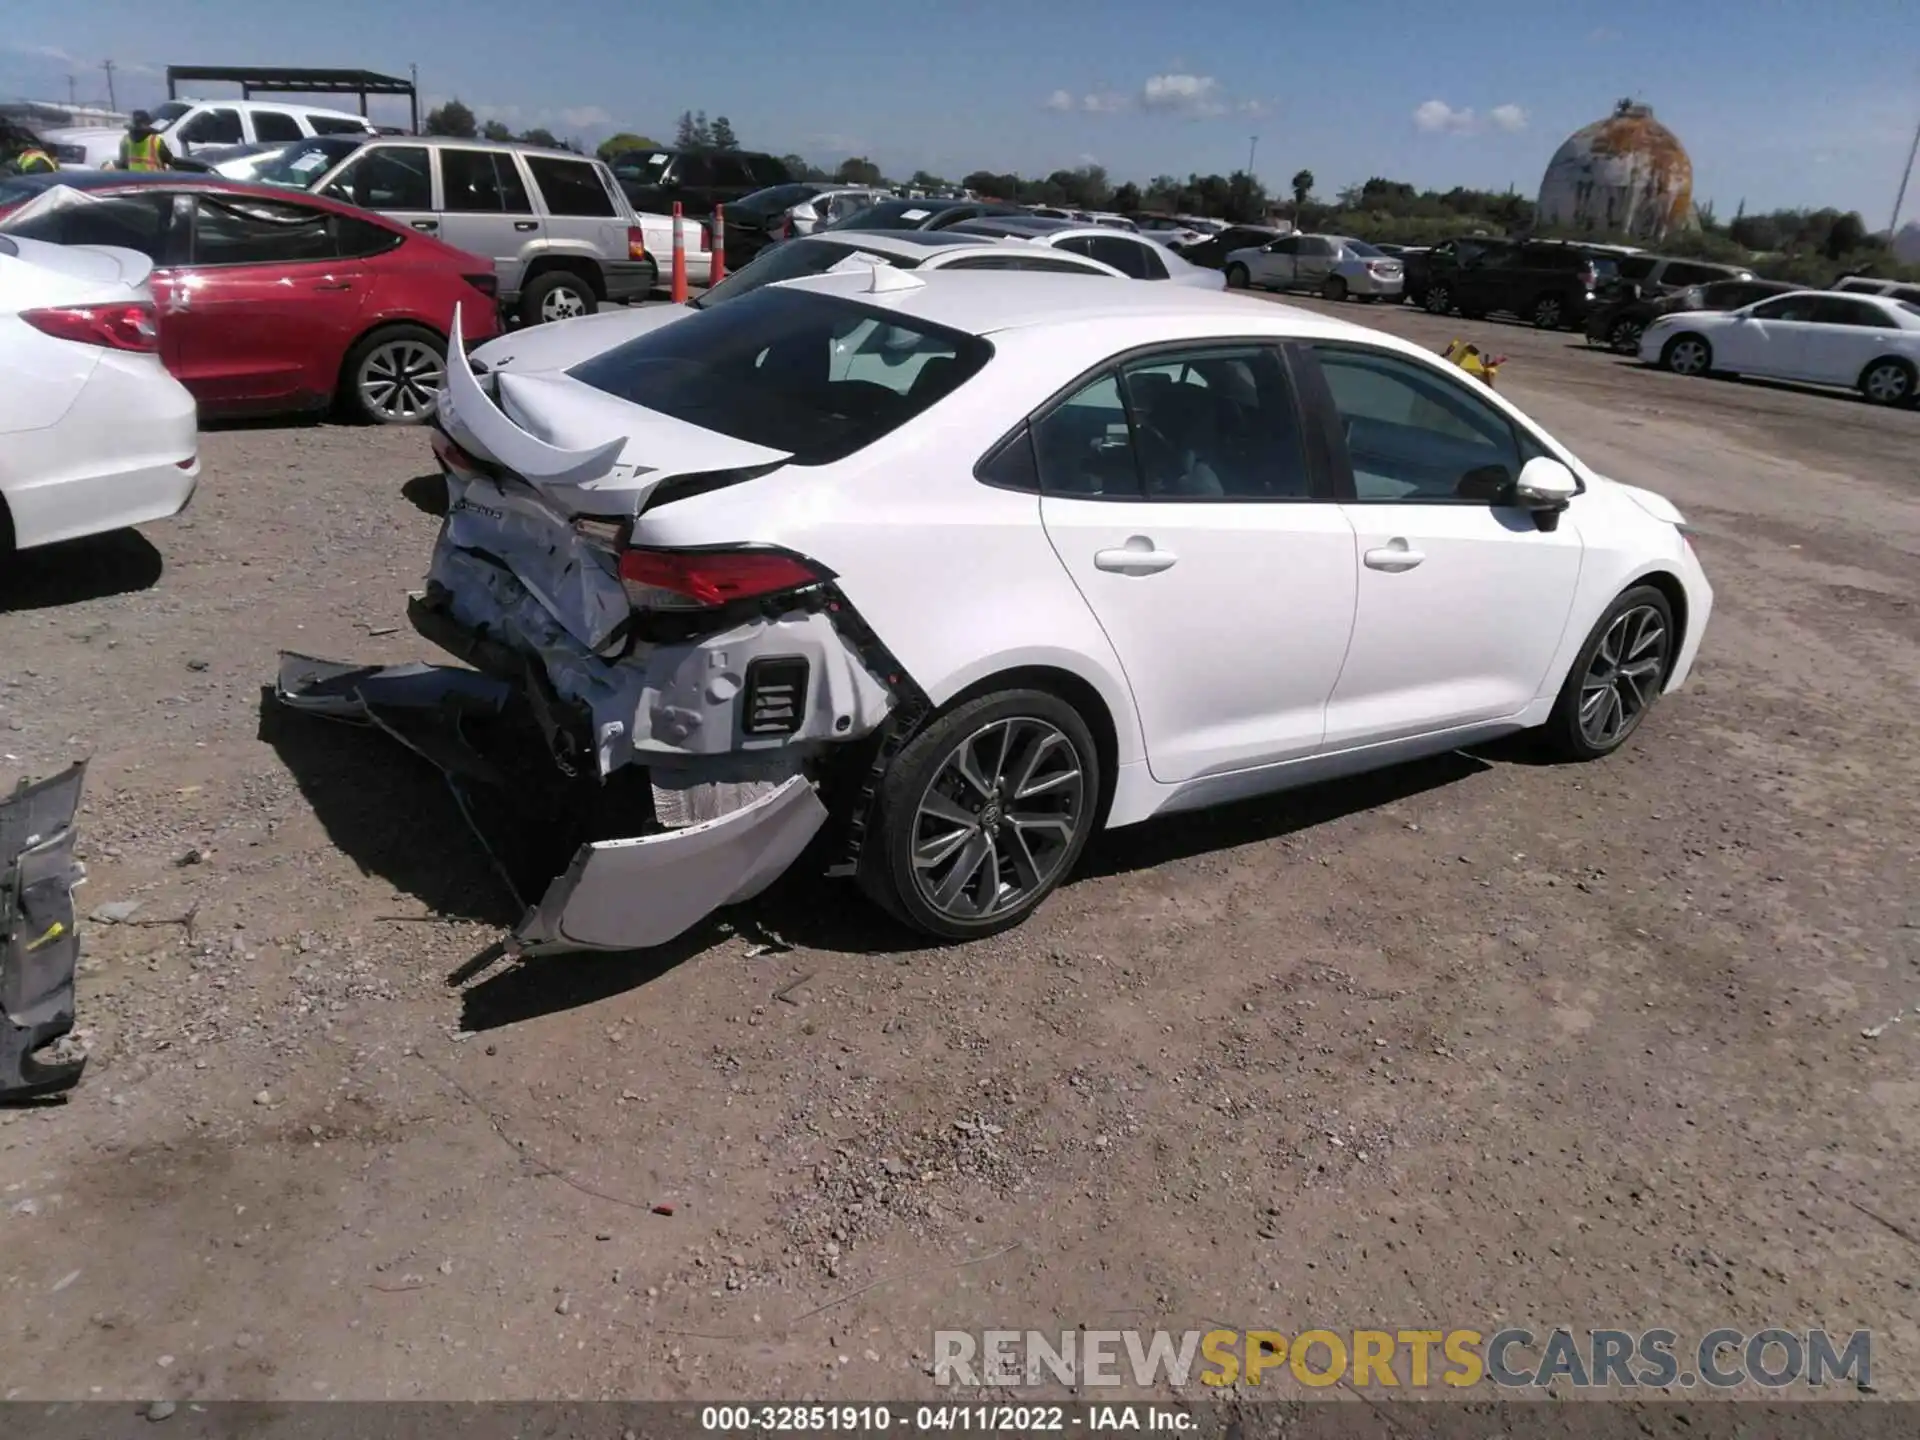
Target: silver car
560, 233
1134, 256
1337, 266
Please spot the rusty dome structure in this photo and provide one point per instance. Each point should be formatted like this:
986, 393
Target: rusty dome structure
1624, 175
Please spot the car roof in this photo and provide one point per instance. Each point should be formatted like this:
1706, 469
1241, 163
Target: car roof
988, 302
193, 180
1022, 225
463, 142
896, 242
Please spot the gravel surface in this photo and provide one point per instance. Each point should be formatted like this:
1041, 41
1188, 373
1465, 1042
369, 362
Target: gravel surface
1475, 1041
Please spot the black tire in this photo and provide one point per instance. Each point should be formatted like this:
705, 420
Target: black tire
1888, 381
1438, 300
1568, 734
555, 291
1548, 312
1237, 277
389, 379
1335, 288
921, 772
1674, 355
1623, 338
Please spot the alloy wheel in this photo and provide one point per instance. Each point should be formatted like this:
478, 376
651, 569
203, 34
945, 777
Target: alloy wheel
1625, 338
1546, 314
1688, 357
998, 819
1888, 384
1624, 676
400, 381
1439, 302
562, 302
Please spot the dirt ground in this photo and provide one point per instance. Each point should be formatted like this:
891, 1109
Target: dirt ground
1472, 1042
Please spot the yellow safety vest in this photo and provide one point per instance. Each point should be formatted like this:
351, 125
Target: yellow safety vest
142, 154
33, 159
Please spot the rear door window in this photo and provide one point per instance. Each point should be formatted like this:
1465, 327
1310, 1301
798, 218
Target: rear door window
482, 182
234, 231
571, 187
213, 127
1832, 310
337, 125
274, 125
816, 376
1683, 273
1133, 258
731, 172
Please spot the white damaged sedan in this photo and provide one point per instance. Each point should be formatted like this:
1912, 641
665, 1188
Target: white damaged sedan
945, 573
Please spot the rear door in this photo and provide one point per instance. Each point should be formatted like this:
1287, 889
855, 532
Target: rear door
486, 210
1315, 261
581, 216
396, 180
1178, 491
1462, 599
216, 125
265, 307
1845, 335
276, 126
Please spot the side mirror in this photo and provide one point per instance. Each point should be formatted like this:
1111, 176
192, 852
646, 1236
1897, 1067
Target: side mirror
1544, 484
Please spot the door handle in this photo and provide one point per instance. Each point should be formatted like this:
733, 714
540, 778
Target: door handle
526, 224
334, 285
426, 224
1139, 556
1393, 557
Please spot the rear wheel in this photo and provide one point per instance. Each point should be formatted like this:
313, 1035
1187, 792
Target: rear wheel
1335, 288
1616, 678
1236, 277
1548, 313
1687, 355
1624, 337
394, 376
1439, 300
1887, 382
557, 295
983, 814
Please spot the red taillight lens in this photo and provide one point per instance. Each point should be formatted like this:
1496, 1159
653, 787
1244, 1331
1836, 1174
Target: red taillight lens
115, 327
636, 243
703, 579
451, 457
488, 284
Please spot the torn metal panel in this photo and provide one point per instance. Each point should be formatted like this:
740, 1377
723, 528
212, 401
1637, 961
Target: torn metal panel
631, 894
39, 941
345, 692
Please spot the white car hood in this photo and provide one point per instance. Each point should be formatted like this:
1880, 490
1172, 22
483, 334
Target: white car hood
562, 344
1651, 501
557, 433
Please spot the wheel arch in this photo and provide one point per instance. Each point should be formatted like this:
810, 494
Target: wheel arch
585, 266
1668, 584
1077, 691
1904, 362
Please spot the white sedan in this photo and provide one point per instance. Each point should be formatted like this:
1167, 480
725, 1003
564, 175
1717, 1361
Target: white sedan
1868, 343
95, 435
973, 566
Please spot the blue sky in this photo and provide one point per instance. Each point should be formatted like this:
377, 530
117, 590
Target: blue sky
1780, 102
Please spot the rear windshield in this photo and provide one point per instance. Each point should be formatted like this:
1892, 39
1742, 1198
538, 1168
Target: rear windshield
789, 262
1360, 247
891, 215
817, 376
774, 197
305, 161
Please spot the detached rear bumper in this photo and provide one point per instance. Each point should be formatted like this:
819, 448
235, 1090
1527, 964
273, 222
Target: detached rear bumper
39, 942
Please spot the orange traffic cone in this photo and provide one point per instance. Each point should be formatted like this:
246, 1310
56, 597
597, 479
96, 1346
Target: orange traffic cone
718, 270
679, 257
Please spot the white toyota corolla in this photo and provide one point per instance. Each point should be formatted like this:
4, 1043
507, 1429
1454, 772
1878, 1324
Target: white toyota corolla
962, 568
95, 435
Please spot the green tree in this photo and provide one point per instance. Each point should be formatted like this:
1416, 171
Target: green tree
857, 170
803, 169
494, 130
540, 135
925, 180
721, 136
1849, 233
692, 131
1127, 198
619, 144
1302, 187
452, 118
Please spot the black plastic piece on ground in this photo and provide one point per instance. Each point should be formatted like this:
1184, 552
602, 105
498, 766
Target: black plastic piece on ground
39, 937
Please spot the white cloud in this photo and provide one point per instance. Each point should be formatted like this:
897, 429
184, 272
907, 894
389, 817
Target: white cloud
1103, 102
1181, 94
585, 117
1060, 100
1437, 117
1252, 109
41, 52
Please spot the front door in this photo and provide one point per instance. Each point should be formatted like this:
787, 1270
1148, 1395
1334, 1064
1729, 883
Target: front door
1176, 492
396, 180
1462, 598
1772, 338
1274, 265
1315, 263
486, 211
264, 310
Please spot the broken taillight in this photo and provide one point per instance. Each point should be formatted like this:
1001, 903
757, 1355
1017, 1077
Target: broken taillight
113, 327
452, 458
707, 579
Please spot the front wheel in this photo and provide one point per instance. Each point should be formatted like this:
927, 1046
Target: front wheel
1439, 300
1687, 355
1616, 678
1548, 312
1236, 277
1624, 337
983, 814
394, 376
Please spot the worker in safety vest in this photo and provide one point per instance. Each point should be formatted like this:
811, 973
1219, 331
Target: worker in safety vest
142, 148
21, 152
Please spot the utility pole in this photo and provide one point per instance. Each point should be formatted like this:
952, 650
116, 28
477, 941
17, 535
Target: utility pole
72, 96
112, 102
1252, 142
1900, 197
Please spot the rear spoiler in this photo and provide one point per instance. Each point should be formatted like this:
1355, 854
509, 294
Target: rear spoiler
478, 425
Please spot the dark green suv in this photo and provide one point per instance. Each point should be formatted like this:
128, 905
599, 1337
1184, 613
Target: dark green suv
1549, 283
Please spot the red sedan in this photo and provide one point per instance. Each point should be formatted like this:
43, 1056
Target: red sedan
272, 300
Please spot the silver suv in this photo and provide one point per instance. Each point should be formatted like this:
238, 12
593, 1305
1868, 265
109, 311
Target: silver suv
561, 235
